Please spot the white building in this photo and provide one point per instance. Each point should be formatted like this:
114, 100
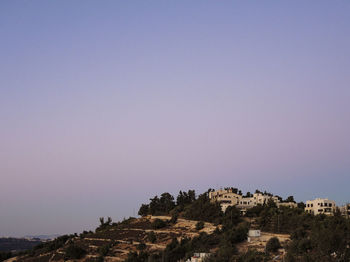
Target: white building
253, 234
287, 204
226, 198
345, 210
257, 199
320, 206
198, 257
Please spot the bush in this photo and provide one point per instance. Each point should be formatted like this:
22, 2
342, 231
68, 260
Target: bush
141, 246
174, 217
144, 210
103, 250
137, 257
5, 255
74, 252
152, 237
204, 210
273, 244
253, 255
200, 225
158, 223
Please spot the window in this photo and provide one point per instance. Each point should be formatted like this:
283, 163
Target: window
321, 204
312, 205
330, 204
325, 204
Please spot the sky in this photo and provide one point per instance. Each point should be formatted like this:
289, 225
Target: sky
105, 104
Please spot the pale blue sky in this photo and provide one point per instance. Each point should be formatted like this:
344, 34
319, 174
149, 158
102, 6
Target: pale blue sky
104, 104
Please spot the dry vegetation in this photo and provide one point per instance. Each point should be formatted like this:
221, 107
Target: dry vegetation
123, 238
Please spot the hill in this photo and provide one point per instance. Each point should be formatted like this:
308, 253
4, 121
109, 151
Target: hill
8, 244
172, 231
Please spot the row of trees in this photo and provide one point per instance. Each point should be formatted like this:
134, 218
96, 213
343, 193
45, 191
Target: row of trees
165, 203
320, 238
187, 205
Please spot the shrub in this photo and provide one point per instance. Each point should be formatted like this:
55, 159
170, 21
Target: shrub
253, 255
141, 246
174, 217
273, 244
144, 210
158, 223
103, 250
200, 225
152, 237
5, 255
74, 252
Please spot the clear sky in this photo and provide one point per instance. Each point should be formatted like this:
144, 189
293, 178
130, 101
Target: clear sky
104, 104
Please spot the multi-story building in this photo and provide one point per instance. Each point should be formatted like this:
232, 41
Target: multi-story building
320, 206
287, 204
345, 210
257, 199
226, 198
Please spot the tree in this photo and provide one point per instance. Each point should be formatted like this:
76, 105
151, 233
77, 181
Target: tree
174, 217
154, 205
301, 205
166, 202
200, 225
231, 217
158, 223
203, 209
290, 199
271, 203
152, 237
144, 210
141, 246
104, 224
5, 255
103, 250
74, 252
185, 198
273, 244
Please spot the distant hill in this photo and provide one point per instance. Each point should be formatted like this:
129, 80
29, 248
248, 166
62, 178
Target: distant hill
43, 237
17, 244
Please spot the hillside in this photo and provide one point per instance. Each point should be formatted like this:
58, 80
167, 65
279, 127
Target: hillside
17, 244
172, 231
116, 241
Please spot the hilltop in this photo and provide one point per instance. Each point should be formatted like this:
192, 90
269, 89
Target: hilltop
170, 230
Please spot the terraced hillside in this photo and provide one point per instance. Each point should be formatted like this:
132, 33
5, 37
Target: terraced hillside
114, 242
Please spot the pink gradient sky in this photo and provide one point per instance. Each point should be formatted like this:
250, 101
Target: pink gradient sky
105, 104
